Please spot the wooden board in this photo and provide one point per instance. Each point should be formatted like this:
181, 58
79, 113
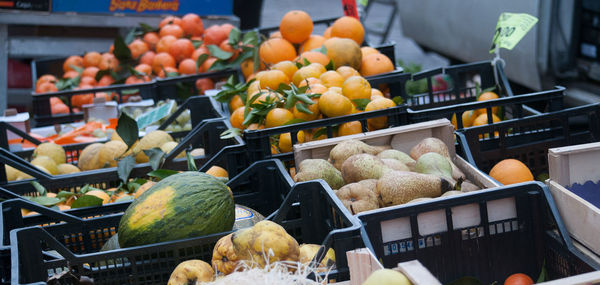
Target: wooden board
402, 138
581, 279
574, 164
577, 214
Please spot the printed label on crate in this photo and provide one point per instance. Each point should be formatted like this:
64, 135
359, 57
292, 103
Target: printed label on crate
350, 8
154, 115
32, 5
510, 29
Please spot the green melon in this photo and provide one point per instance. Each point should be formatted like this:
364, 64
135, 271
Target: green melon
184, 205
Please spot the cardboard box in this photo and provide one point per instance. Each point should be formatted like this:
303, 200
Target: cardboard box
569, 165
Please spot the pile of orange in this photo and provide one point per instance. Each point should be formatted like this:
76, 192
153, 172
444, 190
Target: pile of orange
340, 92
296, 42
170, 49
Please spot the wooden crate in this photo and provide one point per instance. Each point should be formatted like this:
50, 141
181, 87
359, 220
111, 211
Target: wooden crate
569, 165
401, 138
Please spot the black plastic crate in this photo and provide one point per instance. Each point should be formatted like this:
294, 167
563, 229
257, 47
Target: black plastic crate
511, 107
202, 135
264, 185
492, 247
462, 87
310, 213
528, 139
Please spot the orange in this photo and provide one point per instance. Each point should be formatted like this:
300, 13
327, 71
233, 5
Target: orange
188, 66
237, 118
203, 84
181, 49
312, 57
296, 26
313, 42
379, 104
208, 63
343, 52
164, 44
253, 88
336, 90
106, 80
255, 126
192, 25
200, 51
348, 27
55, 100
511, 171
92, 58
90, 71
132, 79
331, 79
80, 100
271, 79
275, 34
161, 61
467, 119
374, 64
144, 68
518, 279
151, 39
171, 29
46, 87
278, 117
332, 104
349, 128
225, 46
347, 71
288, 67
109, 61
235, 102
356, 87
247, 67
275, 50
162, 73
217, 171
314, 108
100, 194
375, 93
169, 20
310, 82
87, 80
214, 35
487, 96
316, 88
482, 119
138, 48
59, 109
70, 74
45, 78
71, 61
304, 73
321, 68
226, 28
327, 33
266, 95
148, 57
367, 51
285, 141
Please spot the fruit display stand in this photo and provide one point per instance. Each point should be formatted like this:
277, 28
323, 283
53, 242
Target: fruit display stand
309, 213
509, 107
402, 138
574, 174
488, 235
528, 139
103, 178
274, 183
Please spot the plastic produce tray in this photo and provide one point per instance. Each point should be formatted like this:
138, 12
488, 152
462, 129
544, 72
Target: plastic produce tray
309, 212
488, 235
528, 139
